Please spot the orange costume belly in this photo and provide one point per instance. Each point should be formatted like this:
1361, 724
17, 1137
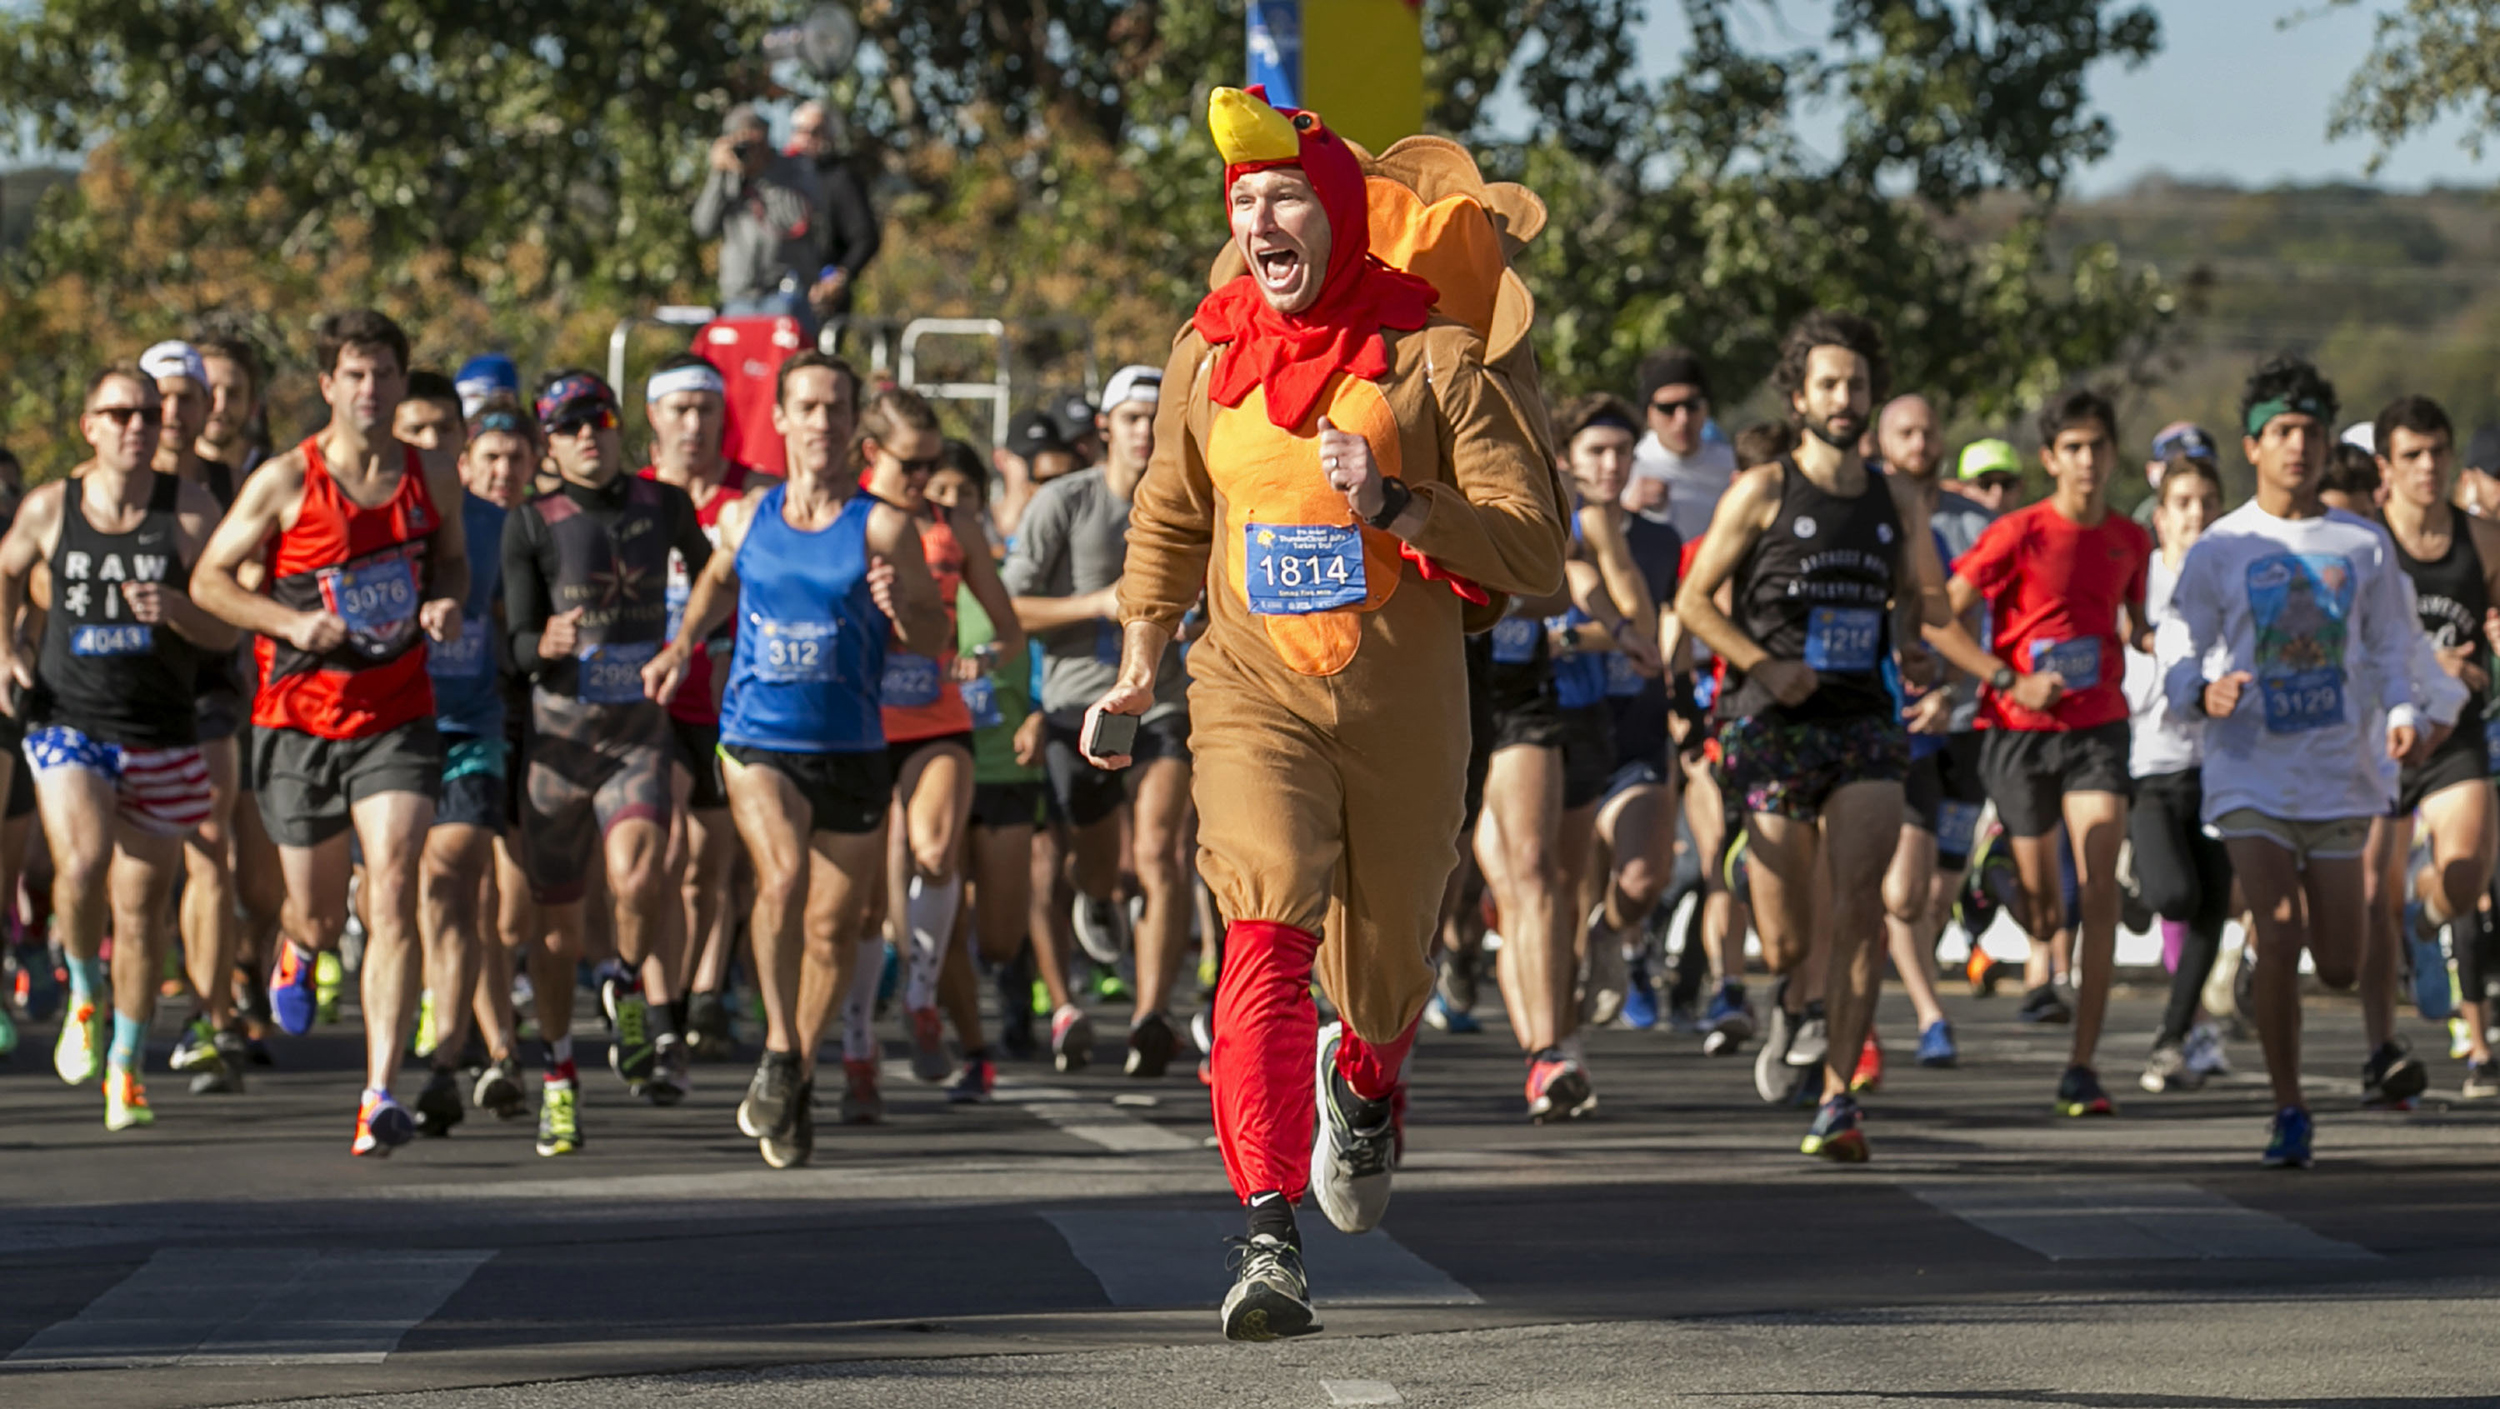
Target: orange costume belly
1296, 556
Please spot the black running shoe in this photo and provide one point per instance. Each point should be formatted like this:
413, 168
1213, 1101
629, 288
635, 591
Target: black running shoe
707, 1028
634, 1052
1271, 1297
438, 1105
794, 1146
225, 1077
1151, 1043
2393, 1077
1015, 1006
498, 1090
766, 1111
2043, 1005
672, 1071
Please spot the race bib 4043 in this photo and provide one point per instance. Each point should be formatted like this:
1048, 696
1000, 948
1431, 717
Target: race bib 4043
125, 639
790, 652
612, 675
1296, 569
2077, 662
1843, 639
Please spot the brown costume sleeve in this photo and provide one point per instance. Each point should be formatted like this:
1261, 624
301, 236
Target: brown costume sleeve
1171, 524
1499, 519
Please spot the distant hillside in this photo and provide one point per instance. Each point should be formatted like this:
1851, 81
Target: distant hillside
2388, 293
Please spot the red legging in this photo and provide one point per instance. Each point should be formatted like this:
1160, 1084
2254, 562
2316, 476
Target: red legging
1266, 1043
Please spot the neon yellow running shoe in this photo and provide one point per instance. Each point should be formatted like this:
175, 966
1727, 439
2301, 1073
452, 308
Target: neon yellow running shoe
327, 976
125, 1101
79, 1055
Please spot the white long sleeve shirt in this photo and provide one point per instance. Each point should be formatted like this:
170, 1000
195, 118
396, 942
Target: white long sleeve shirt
2160, 739
2315, 610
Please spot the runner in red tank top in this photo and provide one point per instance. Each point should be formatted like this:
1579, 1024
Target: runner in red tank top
928, 732
684, 402
354, 568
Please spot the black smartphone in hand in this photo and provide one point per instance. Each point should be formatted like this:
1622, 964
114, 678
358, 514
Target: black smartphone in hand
1108, 735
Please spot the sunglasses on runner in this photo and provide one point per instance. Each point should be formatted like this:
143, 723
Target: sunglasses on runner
927, 465
601, 418
1671, 409
1994, 484
125, 415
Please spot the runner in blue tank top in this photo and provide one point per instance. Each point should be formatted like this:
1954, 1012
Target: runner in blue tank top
468, 676
821, 578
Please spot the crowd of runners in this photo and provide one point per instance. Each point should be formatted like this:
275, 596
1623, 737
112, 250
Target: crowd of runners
773, 764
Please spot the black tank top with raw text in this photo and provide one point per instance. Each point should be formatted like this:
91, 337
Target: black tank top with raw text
100, 670
2450, 599
611, 560
1817, 586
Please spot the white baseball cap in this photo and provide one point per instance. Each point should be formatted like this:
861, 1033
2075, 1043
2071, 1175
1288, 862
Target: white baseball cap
174, 359
2362, 434
1135, 382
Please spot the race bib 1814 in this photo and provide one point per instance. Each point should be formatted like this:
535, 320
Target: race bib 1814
1296, 569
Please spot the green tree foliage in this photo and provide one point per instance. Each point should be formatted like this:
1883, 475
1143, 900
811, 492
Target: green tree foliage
1716, 223
2429, 59
529, 163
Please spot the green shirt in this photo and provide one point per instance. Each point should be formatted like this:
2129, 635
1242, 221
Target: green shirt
1011, 684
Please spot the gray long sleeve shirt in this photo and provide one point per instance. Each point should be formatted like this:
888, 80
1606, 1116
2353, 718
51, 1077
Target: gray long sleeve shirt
1074, 540
767, 226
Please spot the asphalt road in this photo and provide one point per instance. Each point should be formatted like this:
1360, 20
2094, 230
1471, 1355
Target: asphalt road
1063, 1245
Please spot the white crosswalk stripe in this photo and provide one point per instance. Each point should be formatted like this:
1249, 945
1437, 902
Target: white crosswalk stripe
2110, 1221
1093, 1119
255, 1306
1168, 1257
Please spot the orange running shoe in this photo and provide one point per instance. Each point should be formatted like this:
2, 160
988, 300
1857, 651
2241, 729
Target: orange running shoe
1870, 1073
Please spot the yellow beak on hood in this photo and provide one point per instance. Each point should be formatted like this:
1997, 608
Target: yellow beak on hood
1248, 130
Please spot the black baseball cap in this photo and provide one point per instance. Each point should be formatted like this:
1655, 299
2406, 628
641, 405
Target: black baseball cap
2482, 452
1075, 416
1033, 433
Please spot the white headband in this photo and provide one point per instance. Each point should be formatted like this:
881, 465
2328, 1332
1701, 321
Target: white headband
174, 359
676, 379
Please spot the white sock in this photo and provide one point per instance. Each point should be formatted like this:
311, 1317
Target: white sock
929, 915
859, 1006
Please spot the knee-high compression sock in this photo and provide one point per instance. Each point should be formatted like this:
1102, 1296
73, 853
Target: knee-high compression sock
859, 1006
130, 1037
1265, 1032
1374, 1071
929, 915
85, 977
2172, 933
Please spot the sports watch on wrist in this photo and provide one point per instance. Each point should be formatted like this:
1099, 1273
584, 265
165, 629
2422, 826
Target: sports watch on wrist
2003, 680
1394, 496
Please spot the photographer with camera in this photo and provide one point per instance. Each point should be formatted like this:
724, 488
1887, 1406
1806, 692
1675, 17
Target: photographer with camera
846, 223
762, 207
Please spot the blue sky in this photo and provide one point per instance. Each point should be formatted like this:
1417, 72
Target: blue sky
2233, 93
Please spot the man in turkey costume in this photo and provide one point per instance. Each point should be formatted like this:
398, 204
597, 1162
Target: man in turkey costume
1352, 464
